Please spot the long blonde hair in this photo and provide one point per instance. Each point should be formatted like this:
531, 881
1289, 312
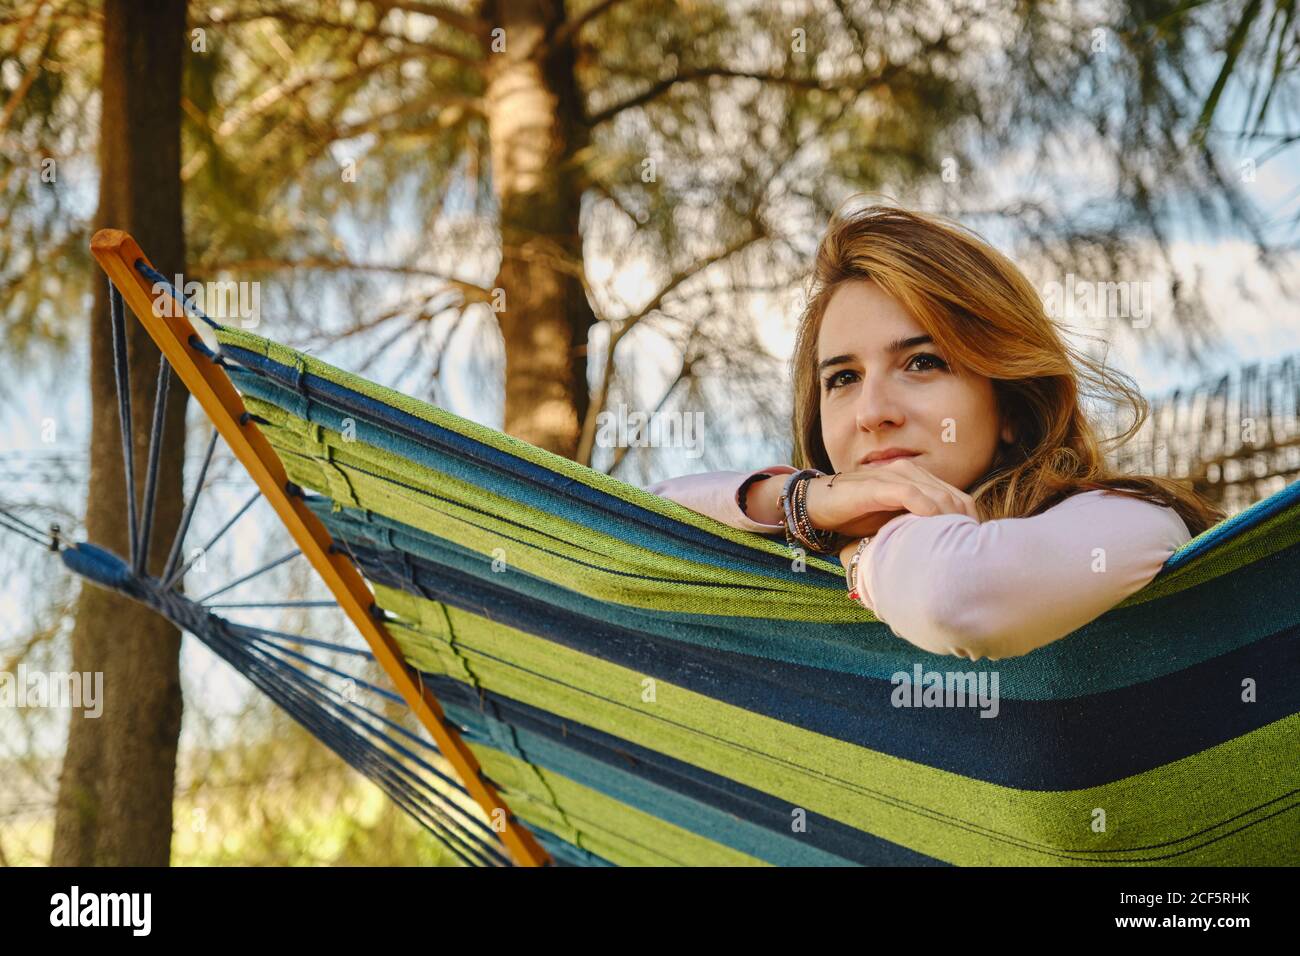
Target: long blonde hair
987, 318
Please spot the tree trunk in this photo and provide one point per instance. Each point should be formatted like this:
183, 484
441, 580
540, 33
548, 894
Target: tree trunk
535, 129
116, 788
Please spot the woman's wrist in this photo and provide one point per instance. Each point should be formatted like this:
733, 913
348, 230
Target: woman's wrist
800, 530
763, 502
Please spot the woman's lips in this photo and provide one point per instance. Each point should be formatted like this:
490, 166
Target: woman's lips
881, 461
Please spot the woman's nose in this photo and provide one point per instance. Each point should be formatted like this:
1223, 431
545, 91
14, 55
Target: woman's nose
877, 406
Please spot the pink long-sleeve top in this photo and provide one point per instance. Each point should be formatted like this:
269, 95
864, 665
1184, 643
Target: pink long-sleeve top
952, 585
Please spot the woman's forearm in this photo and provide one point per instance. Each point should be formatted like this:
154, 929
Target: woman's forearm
763, 500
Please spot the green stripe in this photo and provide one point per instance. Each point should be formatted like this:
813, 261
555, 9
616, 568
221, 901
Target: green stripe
1280, 531
935, 812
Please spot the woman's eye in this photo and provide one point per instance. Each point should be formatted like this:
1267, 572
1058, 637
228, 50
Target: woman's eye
938, 362
832, 381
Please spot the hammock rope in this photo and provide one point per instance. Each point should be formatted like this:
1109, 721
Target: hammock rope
374, 744
122, 379
188, 514
179, 573
11, 521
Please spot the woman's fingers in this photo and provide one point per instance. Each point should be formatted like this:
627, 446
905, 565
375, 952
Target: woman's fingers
924, 500
894, 491
899, 486
959, 502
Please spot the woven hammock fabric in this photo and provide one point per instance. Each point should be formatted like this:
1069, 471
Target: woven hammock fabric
648, 686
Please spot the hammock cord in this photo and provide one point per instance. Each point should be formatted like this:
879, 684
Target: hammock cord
390, 755
12, 522
122, 377
292, 691
249, 576
179, 540
357, 681
180, 572
151, 470
312, 642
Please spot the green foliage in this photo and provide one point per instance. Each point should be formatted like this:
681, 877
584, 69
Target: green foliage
48, 76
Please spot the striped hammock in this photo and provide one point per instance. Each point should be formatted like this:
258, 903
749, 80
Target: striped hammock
646, 686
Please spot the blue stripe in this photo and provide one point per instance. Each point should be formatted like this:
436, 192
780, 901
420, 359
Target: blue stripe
692, 798
1235, 526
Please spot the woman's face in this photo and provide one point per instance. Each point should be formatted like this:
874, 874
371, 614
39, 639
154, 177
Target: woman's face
880, 390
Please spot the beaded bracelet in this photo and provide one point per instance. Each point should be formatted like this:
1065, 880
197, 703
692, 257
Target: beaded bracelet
804, 527
798, 526
792, 536
825, 541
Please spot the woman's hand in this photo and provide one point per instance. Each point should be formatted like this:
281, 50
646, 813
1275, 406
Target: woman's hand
859, 503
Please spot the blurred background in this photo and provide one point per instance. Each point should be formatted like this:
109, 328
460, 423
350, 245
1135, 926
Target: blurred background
539, 214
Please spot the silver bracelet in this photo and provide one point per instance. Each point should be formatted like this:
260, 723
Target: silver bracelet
851, 574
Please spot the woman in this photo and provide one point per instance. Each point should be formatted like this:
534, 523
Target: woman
950, 464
